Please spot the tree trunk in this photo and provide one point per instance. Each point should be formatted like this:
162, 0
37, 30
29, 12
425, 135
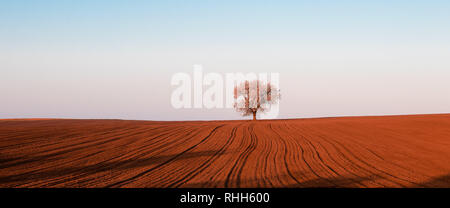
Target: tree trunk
254, 115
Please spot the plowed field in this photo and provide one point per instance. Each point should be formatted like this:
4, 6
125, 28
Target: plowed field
385, 151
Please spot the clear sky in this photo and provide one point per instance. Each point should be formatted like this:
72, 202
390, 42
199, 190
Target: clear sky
115, 59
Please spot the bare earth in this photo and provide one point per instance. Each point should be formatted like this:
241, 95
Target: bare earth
387, 151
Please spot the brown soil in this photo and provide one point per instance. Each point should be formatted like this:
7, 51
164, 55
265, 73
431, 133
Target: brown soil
386, 151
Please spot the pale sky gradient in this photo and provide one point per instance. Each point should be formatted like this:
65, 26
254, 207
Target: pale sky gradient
114, 59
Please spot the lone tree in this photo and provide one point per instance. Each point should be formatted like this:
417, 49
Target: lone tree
251, 97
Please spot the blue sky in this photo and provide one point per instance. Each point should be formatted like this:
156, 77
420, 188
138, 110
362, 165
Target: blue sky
110, 23
114, 59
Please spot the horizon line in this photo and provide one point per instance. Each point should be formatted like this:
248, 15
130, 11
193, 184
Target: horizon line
299, 118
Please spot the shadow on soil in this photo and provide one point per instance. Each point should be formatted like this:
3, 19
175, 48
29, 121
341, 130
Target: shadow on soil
56, 172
